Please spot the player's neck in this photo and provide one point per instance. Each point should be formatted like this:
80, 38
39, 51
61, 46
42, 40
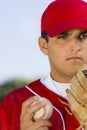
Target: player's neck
61, 78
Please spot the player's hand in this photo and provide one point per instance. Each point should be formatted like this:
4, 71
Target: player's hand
27, 112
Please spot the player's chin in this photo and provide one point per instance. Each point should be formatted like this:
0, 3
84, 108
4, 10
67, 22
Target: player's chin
76, 64
73, 69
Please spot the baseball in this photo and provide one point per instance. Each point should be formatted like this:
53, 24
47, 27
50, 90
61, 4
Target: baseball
45, 112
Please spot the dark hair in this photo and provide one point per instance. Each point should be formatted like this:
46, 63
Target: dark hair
45, 35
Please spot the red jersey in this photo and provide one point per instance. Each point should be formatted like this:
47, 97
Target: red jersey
61, 118
3, 122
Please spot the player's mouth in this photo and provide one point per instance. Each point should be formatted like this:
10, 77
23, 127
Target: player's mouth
74, 58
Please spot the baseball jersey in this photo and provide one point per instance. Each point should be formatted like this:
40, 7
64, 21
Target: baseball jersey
62, 118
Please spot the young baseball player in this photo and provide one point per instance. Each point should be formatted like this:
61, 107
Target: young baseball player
64, 40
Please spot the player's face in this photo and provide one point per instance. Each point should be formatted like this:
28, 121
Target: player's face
67, 52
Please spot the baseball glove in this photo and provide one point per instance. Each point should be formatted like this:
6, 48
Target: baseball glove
77, 96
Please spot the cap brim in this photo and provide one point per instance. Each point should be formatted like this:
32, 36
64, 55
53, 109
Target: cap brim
66, 26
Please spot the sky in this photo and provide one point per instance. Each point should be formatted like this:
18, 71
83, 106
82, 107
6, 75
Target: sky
20, 56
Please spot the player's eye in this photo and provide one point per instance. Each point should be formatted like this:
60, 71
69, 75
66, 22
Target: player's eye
83, 36
62, 36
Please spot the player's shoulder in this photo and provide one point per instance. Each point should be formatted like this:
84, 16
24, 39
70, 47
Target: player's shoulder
20, 92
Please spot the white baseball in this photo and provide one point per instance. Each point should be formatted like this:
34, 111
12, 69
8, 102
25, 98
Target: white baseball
45, 112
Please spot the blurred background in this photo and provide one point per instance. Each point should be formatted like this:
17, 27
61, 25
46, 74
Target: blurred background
21, 60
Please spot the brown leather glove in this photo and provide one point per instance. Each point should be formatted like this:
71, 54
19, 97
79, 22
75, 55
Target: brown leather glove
77, 96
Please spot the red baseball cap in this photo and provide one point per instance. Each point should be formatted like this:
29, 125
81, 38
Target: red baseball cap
62, 15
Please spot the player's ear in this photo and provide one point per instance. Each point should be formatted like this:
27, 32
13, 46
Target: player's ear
43, 45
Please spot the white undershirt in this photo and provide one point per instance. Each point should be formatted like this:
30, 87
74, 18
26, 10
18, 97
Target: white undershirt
58, 88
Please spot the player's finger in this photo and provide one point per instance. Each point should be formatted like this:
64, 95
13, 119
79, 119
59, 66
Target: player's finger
41, 124
43, 128
32, 109
26, 104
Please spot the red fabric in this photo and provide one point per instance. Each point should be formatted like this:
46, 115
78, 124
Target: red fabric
11, 106
3, 123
